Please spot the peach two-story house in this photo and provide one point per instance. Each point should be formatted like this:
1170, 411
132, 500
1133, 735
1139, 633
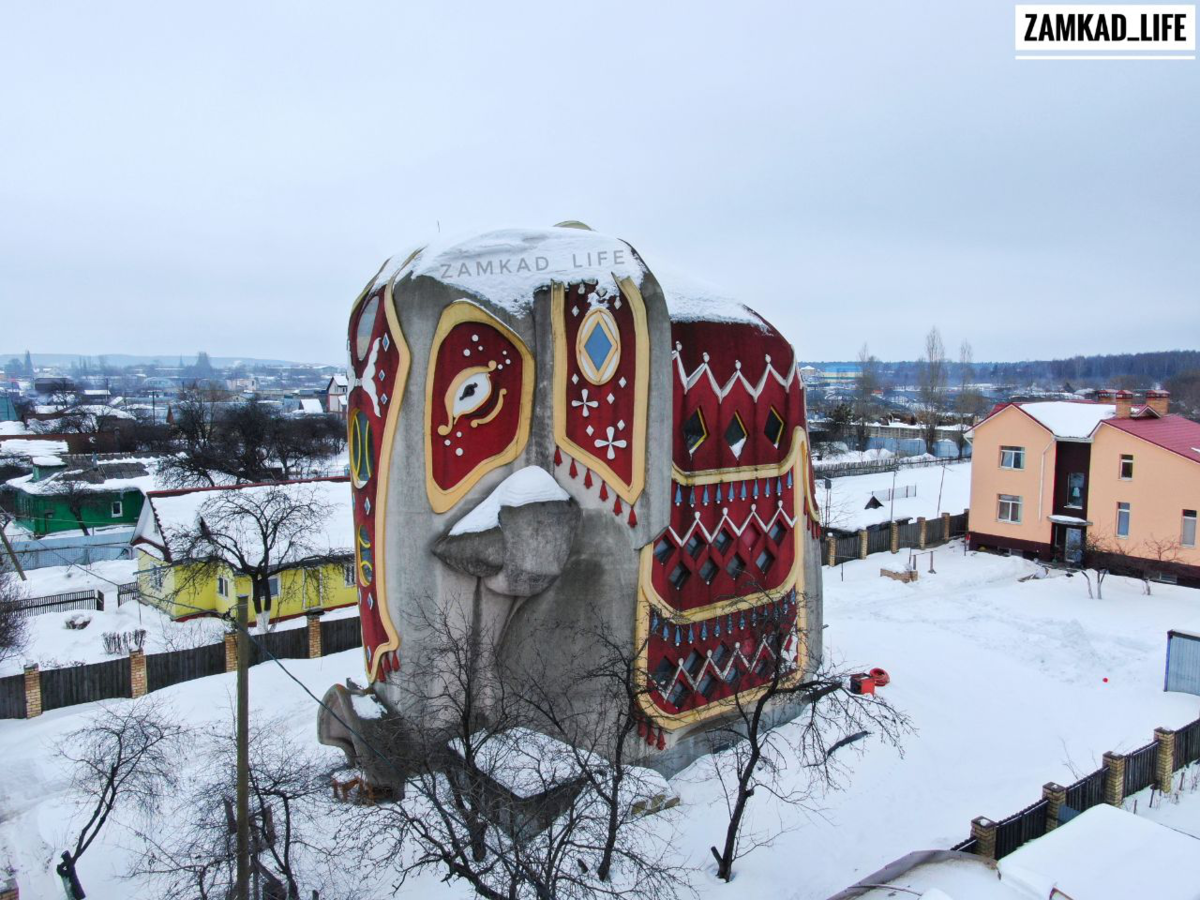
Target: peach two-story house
1062, 480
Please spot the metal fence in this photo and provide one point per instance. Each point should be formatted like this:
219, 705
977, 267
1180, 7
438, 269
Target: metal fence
127, 592
1139, 768
12, 697
340, 634
84, 684
166, 669
1020, 827
36, 606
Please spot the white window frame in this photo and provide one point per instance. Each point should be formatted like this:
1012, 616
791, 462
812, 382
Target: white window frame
157, 577
1015, 455
222, 586
349, 574
1127, 511
1188, 518
1125, 458
1013, 503
274, 586
117, 509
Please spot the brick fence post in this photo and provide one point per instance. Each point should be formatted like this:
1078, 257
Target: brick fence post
1114, 779
8, 888
862, 544
137, 674
1164, 762
921, 524
983, 831
1055, 796
33, 691
945, 528
895, 537
230, 652
831, 550
314, 635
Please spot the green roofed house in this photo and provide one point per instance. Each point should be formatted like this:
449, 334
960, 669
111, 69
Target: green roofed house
70, 495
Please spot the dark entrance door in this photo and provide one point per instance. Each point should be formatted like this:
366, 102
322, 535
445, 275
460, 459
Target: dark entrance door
1073, 546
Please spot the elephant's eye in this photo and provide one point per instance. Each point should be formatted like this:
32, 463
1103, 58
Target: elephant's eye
472, 394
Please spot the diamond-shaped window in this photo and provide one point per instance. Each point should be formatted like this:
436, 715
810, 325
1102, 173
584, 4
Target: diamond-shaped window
765, 561
778, 532
735, 566
707, 685
694, 431
735, 435
774, 427
722, 541
678, 694
750, 534
679, 576
708, 571
721, 656
663, 550
663, 673
694, 663
694, 545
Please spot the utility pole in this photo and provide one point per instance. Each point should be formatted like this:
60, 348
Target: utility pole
243, 751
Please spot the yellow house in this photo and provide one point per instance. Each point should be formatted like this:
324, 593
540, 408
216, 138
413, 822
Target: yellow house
183, 589
1061, 480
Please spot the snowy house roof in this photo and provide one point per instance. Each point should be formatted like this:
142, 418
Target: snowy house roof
169, 515
1067, 420
31, 448
104, 476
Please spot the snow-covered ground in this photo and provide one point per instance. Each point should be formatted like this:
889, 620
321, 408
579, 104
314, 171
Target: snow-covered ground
1010, 684
932, 491
52, 644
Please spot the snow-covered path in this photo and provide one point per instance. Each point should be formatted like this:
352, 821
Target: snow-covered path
1004, 680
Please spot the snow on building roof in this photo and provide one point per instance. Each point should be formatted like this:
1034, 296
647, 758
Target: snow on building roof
1172, 432
508, 266
31, 448
691, 299
127, 474
1069, 419
532, 484
47, 461
12, 428
527, 762
169, 515
311, 406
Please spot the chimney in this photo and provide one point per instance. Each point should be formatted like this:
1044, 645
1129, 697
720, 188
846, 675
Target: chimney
1158, 401
1105, 395
1124, 401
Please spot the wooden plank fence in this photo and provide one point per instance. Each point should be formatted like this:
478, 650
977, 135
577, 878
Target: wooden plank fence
114, 678
65, 602
1123, 776
84, 684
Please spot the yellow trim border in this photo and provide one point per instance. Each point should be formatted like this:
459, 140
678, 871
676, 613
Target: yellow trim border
455, 314
641, 385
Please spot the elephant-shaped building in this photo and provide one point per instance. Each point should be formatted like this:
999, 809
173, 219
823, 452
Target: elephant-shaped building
543, 433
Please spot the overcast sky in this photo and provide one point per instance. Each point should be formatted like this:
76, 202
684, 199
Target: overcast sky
227, 178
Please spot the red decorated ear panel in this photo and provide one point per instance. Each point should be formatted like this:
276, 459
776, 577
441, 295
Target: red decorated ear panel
378, 371
477, 404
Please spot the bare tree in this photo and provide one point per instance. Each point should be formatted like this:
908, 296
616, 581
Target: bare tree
14, 631
492, 800
124, 758
931, 387
219, 441
970, 401
76, 495
257, 532
190, 849
863, 404
793, 762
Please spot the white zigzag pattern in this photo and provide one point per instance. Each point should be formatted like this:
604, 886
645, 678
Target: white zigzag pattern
689, 381
753, 517
789, 651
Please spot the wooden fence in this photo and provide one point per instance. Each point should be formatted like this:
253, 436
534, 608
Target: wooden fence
55, 688
919, 534
1122, 775
36, 606
842, 469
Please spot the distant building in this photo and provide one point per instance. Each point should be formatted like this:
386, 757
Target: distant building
71, 496
1069, 480
335, 393
182, 588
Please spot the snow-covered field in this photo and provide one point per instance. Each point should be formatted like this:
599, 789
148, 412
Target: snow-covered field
931, 491
1011, 684
52, 644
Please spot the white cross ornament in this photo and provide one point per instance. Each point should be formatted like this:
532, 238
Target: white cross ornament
601, 443
585, 403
